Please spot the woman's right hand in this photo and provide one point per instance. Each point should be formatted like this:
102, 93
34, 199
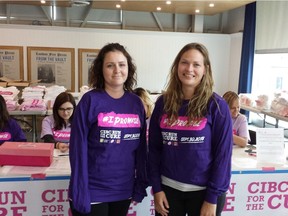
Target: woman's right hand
161, 203
63, 147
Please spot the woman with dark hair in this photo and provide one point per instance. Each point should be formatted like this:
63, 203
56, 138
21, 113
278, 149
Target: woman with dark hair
108, 144
9, 128
56, 128
190, 140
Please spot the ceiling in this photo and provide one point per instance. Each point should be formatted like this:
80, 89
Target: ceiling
176, 16
176, 6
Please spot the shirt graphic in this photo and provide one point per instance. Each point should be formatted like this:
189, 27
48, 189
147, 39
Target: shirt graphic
118, 120
5, 136
182, 123
110, 136
61, 135
114, 120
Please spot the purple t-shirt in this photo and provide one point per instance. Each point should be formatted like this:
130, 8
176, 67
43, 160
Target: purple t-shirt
108, 150
197, 154
12, 132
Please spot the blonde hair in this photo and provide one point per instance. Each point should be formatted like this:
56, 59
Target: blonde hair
173, 96
230, 97
144, 96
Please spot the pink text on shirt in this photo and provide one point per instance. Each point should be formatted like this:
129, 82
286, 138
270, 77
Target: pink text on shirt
182, 123
61, 135
118, 120
5, 136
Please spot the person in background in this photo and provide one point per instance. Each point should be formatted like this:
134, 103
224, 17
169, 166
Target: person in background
190, 140
147, 102
56, 127
240, 125
10, 130
148, 105
108, 152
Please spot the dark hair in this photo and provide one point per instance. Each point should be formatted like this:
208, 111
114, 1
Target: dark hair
4, 114
96, 80
61, 99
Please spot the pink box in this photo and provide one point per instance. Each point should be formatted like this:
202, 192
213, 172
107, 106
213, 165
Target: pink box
26, 153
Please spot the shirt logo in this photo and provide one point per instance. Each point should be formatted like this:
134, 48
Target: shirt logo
131, 136
118, 120
61, 135
5, 136
170, 138
192, 139
110, 136
182, 123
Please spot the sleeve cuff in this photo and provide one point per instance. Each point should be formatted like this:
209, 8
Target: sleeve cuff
211, 198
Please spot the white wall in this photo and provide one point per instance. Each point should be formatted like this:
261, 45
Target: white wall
153, 52
235, 57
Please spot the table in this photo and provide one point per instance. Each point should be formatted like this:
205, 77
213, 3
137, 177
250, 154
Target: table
33, 115
265, 113
35, 191
255, 190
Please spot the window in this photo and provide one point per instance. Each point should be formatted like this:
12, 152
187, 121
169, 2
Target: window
270, 76
270, 73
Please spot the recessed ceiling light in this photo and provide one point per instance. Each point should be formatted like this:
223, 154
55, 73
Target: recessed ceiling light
211, 5
123, 0
43, 2
168, 2
197, 11
80, 3
158, 8
118, 6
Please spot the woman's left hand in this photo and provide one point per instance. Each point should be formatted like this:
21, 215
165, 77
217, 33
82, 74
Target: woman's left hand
208, 209
161, 203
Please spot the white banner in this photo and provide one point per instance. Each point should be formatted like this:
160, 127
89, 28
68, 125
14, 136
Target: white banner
34, 198
258, 194
255, 194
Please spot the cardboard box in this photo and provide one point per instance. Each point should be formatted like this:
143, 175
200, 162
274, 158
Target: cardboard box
21, 83
26, 153
5, 79
3, 84
18, 83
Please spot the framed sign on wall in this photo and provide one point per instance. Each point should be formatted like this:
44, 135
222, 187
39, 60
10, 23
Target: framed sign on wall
85, 60
52, 66
11, 62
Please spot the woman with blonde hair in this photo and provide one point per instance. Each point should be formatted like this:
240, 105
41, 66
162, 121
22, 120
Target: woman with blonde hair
190, 140
240, 124
147, 102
